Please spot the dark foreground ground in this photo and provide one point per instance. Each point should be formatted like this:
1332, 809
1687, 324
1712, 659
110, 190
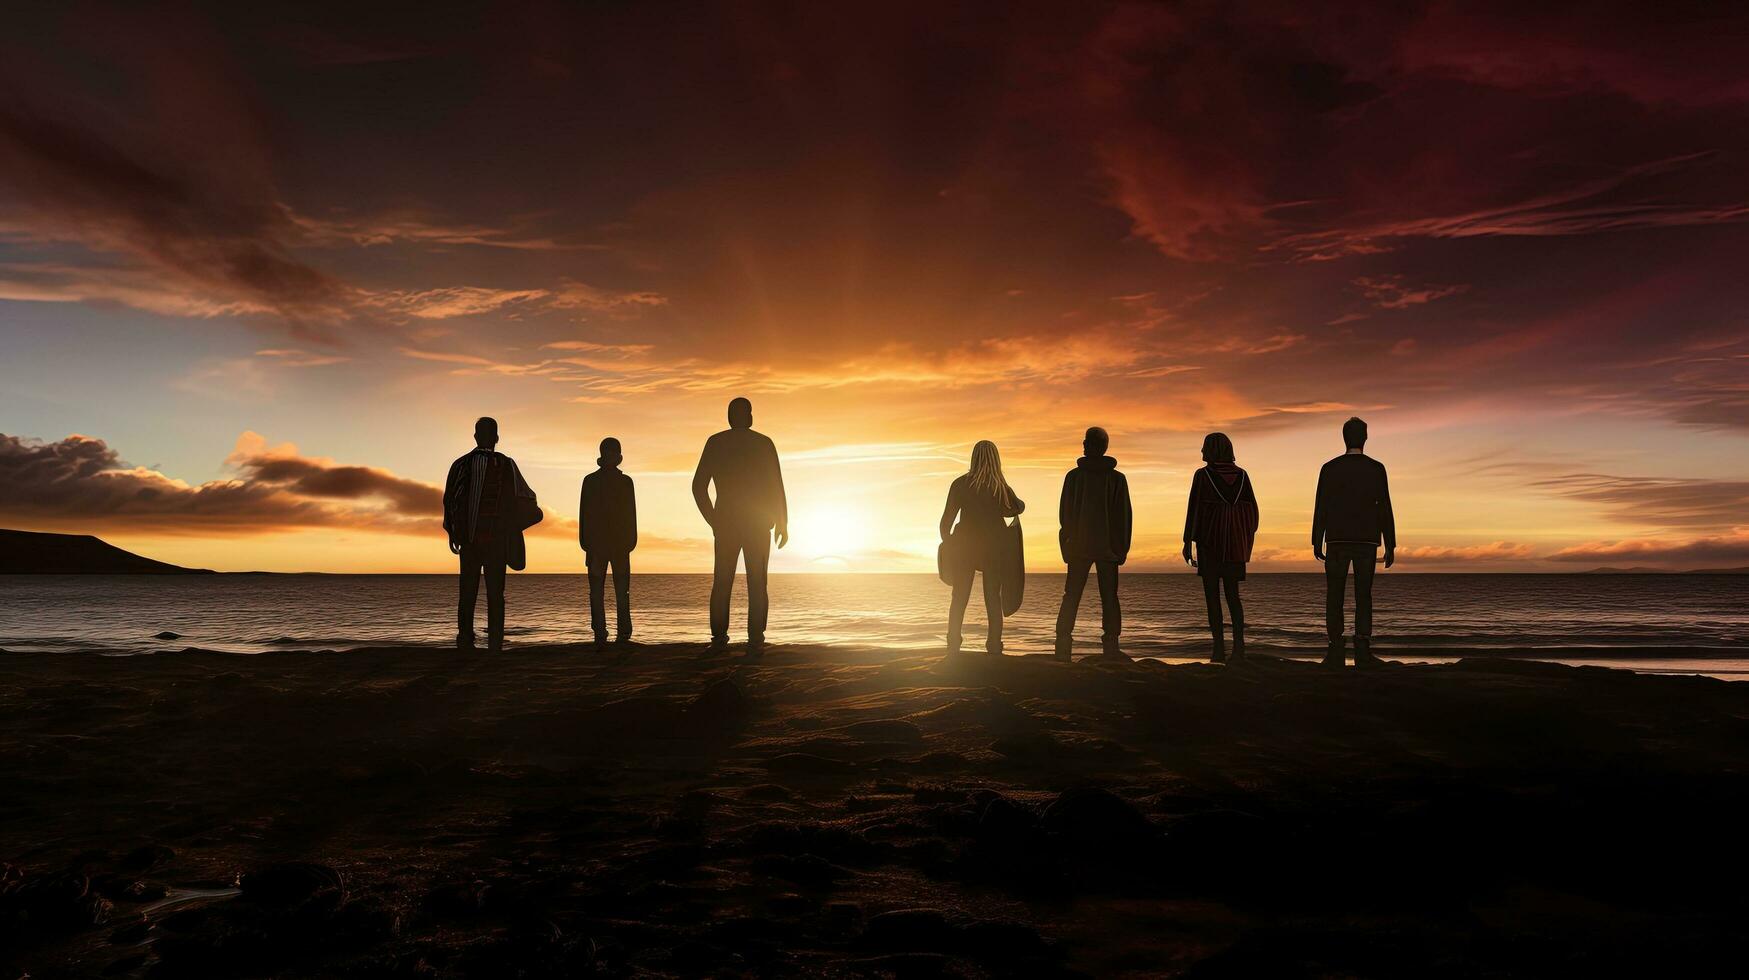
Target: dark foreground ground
555, 812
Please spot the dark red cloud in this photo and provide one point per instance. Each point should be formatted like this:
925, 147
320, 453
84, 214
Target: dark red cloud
80, 483
1332, 204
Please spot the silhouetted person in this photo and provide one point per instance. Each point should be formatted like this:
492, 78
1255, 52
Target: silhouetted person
607, 529
486, 507
750, 504
1221, 520
1350, 517
1094, 517
982, 501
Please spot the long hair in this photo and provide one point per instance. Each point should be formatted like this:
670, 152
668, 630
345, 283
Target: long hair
986, 469
1217, 448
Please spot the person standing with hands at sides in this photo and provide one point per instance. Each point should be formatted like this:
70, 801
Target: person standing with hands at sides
748, 509
1221, 521
982, 501
1351, 515
607, 529
1094, 516
486, 507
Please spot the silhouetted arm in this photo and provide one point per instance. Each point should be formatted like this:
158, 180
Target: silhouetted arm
952, 511
1125, 518
701, 485
451, 519
781, 528
1064, 501
632, 511
582, 513
1014, 506
1190, 518
1387, 518
1318, 520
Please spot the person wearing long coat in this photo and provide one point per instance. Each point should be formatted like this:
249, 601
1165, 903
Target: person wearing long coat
1221, 522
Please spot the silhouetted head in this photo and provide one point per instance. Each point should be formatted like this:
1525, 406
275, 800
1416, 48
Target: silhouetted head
1096, 442
986, 469
610, 454
485, 432
740, 414
1217, 448
1354, 433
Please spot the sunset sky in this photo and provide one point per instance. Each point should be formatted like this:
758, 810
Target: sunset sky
262, 266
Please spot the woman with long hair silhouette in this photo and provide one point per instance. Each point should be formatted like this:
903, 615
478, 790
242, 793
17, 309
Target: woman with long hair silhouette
982, 500
1221, 522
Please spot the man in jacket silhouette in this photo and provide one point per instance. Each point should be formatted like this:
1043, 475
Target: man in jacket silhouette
749, 506
486, 507
607, 529
1351, 515
1095, 515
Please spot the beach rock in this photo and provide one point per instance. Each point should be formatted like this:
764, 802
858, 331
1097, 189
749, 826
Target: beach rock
768, 793
167, 635
293, 884
1093, 820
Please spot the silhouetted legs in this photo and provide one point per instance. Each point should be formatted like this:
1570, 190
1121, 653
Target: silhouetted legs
1111, 615
962, 596
622, 596
1212, 587
475, 562
731, 546
1337, 558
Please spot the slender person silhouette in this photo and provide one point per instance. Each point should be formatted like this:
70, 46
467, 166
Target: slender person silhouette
1221, 521
607, 530
982, 500
748, 509
1094, 518
486, 507
1350, 516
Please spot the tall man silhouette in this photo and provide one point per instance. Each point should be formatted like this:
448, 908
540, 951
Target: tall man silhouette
749, 505
486, 507
1351, 515
1095, 517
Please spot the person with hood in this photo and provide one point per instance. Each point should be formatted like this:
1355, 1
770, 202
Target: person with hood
1221, 521
1095, 516
486, 507
982, 501
607, 529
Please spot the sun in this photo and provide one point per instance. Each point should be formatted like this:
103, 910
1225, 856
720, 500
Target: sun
830, 531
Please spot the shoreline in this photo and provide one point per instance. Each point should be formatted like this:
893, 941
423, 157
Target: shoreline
860, 811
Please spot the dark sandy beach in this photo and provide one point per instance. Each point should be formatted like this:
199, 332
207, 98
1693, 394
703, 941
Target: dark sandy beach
844, 812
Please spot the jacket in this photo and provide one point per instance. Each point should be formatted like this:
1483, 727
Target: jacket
518, 514
1353, 505
743, 465
1094, 513
607, 514
1221, 517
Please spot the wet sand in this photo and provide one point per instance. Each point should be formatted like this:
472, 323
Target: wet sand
857, 812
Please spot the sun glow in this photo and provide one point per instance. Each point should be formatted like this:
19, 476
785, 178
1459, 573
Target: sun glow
833, 535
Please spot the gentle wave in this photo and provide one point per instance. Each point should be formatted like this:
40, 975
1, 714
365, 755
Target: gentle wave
1163, 613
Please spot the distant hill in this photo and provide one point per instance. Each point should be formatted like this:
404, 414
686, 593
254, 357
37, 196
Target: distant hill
36, 553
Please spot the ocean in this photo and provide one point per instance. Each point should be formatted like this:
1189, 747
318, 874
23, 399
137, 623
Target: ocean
1686, 623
